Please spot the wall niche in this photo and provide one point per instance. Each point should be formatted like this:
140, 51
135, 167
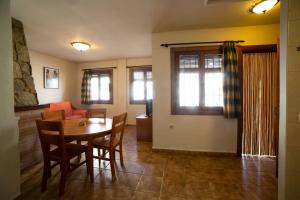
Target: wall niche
24, 88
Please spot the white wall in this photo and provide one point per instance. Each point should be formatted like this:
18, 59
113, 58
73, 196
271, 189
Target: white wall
9, 137
200, 133
289, 157
282, 101
120, 86
67, 72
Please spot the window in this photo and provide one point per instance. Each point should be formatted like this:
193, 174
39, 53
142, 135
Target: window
141, 86
197, 80
101, 87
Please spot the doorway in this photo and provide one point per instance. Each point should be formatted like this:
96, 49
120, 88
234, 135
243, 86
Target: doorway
259, 80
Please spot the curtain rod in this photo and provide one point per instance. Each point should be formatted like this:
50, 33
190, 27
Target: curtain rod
189, 43
138, 66
104, 68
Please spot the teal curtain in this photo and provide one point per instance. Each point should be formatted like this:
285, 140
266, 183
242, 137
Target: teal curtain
231, 88
86, 88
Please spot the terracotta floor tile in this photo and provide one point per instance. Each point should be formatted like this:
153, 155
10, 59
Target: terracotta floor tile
133, 156
131, 167
174, 188
127, 180
115, 193
170, 197
150, 184
154, 175
154, 170
81, 173
145, 196
157, 158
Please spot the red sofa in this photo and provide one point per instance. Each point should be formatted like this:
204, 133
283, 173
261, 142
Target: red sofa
70, 111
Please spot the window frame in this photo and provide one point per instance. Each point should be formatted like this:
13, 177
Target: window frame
200, 51
143, 69
108, 72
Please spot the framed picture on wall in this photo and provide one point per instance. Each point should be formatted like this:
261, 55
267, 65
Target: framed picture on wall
51, 78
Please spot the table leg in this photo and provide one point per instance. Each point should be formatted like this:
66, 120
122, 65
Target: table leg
90, 160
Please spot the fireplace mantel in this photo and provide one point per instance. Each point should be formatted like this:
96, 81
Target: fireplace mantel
28, 108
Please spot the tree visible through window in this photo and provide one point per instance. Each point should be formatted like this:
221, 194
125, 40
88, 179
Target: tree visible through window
101, 87
141, 86
197, 80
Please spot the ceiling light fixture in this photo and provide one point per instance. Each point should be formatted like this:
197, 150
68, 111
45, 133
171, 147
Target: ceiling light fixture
263, 6
81, 46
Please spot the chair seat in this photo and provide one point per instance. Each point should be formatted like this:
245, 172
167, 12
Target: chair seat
72, 150
103, 142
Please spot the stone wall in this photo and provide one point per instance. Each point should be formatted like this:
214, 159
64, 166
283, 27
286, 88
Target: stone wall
24, 89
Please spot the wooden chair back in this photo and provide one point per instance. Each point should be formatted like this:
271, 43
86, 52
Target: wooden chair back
98, 113
117, 132
51, 133
54, 115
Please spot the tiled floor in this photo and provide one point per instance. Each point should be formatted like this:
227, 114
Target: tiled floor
165, 176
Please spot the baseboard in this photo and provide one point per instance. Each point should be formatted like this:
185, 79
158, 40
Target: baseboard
195, 152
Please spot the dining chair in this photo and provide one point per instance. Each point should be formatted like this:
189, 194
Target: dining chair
53, 115
57, 115
112, 143
56, 149
97, 113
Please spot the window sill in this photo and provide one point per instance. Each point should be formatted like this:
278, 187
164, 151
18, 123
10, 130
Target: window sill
197, 111
101, 102
137, 102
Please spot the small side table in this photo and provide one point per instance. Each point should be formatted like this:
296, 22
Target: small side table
144, 128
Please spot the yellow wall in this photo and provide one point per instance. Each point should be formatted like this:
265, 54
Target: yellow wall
201, 133
120, 86
67, 70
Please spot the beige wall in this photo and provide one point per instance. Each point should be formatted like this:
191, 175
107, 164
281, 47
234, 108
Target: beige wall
120, 86
201, 133
67, 72
69, 89
9, 137
289, 171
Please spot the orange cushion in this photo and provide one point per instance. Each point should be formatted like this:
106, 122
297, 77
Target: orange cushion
66, 106
74, 117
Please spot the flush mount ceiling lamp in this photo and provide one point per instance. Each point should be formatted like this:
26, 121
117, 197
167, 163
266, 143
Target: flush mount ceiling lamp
81, 46
263, 6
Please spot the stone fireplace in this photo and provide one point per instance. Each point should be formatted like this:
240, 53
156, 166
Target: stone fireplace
25, 100
24, 89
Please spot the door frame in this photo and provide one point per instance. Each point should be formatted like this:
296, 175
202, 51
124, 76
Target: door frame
241, 50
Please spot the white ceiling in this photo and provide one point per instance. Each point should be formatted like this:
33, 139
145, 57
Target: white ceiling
122, 28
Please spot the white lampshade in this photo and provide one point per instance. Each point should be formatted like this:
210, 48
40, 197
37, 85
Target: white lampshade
264, 6
81, 46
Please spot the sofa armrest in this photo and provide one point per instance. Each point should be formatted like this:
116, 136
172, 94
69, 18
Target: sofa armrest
83, 113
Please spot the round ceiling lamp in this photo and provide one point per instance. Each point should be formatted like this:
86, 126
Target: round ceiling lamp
264, 6
81, 46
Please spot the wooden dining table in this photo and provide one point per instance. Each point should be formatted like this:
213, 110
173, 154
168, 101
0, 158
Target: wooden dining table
88, 130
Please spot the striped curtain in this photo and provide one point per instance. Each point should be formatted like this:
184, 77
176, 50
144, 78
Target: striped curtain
231, 89
86, 88
260, 102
